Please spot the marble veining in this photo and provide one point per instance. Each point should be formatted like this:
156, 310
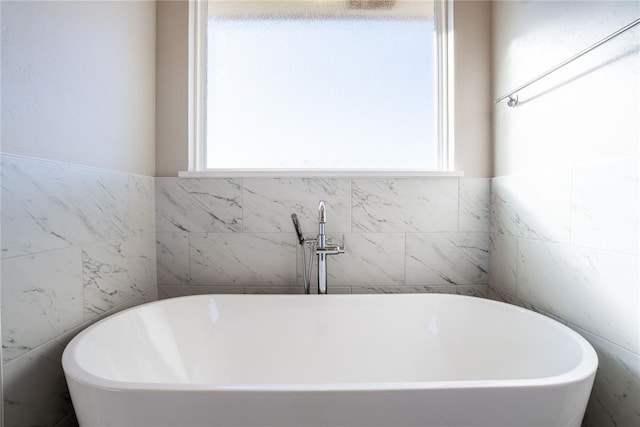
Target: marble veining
168, 291
535, 206
503, 262
34, 388
77, 244
475, 201
594, 290
470, 290
617, 385
41, 298
447, 259
116, 271
49, 205
243, 259
370, 259
173, 258
199, 205
269, 202
404, 205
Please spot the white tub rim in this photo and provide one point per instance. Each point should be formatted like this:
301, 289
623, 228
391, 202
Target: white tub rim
585, 368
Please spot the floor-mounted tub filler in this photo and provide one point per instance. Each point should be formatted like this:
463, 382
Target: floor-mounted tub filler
329, 360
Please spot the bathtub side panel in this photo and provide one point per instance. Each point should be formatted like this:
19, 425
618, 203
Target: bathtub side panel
490, 407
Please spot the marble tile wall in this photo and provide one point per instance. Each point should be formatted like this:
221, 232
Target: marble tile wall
77, 244
565, 243
401, 234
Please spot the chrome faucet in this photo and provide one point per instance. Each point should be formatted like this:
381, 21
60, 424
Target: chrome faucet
323, 249
321, 246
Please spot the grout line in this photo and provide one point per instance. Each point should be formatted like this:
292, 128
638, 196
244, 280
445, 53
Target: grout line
406, 253
75, 165
242, 189
351, 205
458, 203
80, 245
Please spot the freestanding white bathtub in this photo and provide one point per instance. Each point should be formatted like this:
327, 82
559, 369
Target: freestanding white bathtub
329, 360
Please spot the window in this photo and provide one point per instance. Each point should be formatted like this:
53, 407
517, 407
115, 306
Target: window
319, 85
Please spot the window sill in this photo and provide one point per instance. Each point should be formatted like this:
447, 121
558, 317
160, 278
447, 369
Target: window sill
313, 173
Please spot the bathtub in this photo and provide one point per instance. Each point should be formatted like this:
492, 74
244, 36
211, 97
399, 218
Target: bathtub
329, 360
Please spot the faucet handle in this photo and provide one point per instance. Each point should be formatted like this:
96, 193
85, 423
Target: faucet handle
332, 248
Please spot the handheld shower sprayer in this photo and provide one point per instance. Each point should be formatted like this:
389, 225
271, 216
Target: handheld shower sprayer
296, 225
307, 267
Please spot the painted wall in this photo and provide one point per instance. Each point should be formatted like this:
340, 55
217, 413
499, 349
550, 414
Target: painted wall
565, 201
472, 87
472, 102
172, 72
78, 229
401, 234
78, 68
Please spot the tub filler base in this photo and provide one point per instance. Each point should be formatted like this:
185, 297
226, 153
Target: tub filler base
337, 360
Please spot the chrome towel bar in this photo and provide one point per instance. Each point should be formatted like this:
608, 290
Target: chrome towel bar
512, 95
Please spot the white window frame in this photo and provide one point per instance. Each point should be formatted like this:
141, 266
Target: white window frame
197, 106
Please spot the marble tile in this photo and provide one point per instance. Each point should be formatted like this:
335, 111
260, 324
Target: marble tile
115, 271
615, 398
503, 262
150, 295
475, 198
41, 299
141, 204
480, 291
510, 299
198, 205
165, 292
536, 206
594, 290
269, 202
370, 259
404, 289
447, 259
243, 259
273, 290
34, 388
338, 290
48, 205
605, 210
172, 252
405, 205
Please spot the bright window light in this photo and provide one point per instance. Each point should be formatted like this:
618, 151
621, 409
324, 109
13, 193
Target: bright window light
347, 86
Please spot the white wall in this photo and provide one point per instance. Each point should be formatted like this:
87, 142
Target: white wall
472, 103
565, 202
73, 69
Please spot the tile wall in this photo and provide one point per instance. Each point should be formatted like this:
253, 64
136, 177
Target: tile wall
77, 244
564, 242
401, 234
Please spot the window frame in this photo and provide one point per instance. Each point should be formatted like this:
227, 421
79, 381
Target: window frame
443, 16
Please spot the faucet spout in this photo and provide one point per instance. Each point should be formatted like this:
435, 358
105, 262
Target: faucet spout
322, 212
